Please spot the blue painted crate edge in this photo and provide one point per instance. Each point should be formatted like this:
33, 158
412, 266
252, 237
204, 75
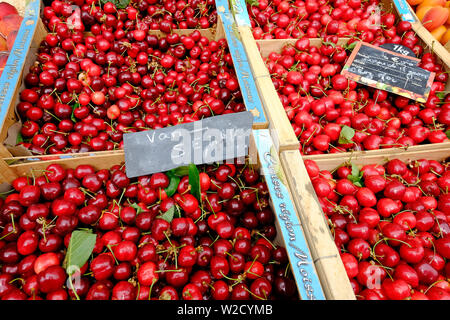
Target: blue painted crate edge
242, 67
296, 245
404, 11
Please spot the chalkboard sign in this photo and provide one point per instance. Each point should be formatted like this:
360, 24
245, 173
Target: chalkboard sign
389, 71
214, 139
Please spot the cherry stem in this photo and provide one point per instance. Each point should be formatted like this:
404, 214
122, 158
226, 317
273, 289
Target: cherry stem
286, 270
11, 232
433, 284
228, 278
151, 288
263, 236
218, 187
174, 249
217, 238
109, 248
120, 199
401, 241
169, 270
307, 140
438, 224
7, 192
207, 200
72, 288
53, 115
253, 294
12, 221
138, 291
23, 281
240, 187
231, 256
86, 192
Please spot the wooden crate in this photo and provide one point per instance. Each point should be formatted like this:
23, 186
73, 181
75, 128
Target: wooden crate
268, 46
291, 235
11, 125
325, 253
258, 49
276, 112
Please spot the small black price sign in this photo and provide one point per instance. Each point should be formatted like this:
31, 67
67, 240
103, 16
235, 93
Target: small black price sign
214, 139
395, 47
390, 71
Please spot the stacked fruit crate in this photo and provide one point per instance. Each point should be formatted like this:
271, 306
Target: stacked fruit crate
302, 78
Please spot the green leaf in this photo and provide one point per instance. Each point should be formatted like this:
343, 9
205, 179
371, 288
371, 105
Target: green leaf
448, 133
178, 212
120, 4
346, 135
441, 95
80, 247
136, 207
356, 176
123, 4
19, 138
358, 184
253, 3
180, 171
168, 215
351, 46
173, 184
355, 170
329, 43
72, 116
194, 181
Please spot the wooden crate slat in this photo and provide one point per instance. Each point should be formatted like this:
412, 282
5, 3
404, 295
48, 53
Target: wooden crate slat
325, 253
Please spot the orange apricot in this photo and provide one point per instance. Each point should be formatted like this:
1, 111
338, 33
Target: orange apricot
438, 32
3, 44
445, 37
7, 9
435, 17
10, 23
422, 11
431, 3
11, 38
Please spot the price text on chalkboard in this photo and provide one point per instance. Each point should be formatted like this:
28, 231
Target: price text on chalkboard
390, 71
395, 47
214, 139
